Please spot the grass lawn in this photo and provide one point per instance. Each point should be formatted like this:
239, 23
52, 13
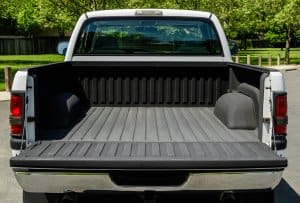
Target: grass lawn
24, 61
265, 52
2, 87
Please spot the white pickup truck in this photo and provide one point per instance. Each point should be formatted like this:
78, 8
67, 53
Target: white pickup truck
148, 102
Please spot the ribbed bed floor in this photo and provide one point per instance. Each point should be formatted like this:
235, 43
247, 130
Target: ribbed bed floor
155, 124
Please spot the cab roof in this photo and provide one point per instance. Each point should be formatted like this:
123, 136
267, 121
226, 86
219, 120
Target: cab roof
148, 12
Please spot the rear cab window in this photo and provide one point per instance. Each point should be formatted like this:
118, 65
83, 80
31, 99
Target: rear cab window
148, 36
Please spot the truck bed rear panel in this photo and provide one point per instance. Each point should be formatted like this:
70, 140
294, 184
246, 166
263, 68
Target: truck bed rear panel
150, 155
152, 124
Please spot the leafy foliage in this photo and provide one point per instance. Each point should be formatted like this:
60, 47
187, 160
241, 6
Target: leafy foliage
274, 20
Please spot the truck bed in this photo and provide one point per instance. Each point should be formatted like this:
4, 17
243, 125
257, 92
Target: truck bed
150, 138
144, 116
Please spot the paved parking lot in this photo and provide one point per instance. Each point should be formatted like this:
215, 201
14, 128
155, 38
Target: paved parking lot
10, 191
287, 191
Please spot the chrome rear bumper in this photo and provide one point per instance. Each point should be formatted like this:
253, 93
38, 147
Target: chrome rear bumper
59, 182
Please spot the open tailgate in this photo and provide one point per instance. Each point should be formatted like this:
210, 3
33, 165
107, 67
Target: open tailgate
148, 155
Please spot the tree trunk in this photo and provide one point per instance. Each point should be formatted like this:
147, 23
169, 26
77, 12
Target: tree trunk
61, 34
245, 43
287, 46
241, 46
103, 4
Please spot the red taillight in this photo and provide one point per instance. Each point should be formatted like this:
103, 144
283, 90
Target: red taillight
16, 106
281, 106
16, 129
280, 115
16, 115
280, 129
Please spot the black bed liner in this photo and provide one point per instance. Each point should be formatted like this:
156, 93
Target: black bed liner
151, 124
150, 155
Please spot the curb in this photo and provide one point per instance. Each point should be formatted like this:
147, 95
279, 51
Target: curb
4, 96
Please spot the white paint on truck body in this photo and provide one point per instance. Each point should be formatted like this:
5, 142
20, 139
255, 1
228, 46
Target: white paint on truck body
273, 83
15, 152
24, 83
19, 85
73, 39
20, 81
277, 81
277, 85
267, 127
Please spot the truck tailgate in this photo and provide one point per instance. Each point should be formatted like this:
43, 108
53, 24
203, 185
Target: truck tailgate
150, 138
150, 155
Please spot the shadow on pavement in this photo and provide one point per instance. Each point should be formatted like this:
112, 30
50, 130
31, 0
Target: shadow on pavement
285, 193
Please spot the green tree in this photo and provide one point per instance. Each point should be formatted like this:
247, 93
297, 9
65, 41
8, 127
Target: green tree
56, 19
28, 16
286, 22
234, 15
5, 9
25, 13
78, 7
275, 20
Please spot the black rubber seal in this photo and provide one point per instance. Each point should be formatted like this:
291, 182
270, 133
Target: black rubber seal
17, 143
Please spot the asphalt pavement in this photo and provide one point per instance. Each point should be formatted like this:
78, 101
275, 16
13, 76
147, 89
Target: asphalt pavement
10, 191
287, 191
